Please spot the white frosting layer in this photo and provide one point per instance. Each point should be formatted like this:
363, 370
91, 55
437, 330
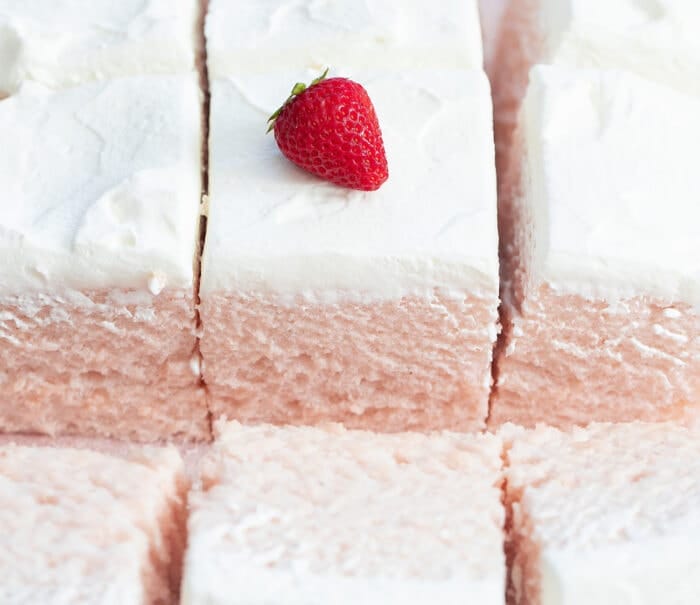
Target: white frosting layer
264, 35
611, 185
64, 42
312, 516
100, 185
273, 228
653, 38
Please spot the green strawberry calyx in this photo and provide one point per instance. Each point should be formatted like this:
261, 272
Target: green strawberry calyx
297, 89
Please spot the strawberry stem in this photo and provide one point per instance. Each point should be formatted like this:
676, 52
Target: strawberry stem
297, 89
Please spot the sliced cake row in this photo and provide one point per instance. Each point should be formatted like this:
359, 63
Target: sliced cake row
317, 303
326, 515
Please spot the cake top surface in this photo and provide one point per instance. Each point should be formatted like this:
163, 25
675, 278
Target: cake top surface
286, 508
654, 38
64, 42
53, 507
611, 184
607, 485
101, 185
273, 227
254, 37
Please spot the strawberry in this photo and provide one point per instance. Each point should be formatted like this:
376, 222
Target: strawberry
330, 129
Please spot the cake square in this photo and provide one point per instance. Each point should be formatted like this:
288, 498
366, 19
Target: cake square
320, 303
82, 526
62, 43
98, 239
602, 273
321, 515
256, 37
607, 514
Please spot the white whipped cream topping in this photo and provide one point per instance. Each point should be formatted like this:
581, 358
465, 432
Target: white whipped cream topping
657, 39
64, 42
612, 185
250, 37
432, 225
101, 185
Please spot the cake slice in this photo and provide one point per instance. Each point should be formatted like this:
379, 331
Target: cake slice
656, 39
65, 42
256, 37
80, 526
320, 303
602, 274
325, 515
99, 218
609, 514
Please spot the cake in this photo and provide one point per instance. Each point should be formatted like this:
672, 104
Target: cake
168, 275
326, 515
610, 514
98, 235
82, 526
603, 275
62, 43
377, 309
248, 38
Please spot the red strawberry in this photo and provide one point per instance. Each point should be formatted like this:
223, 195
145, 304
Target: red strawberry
330, 129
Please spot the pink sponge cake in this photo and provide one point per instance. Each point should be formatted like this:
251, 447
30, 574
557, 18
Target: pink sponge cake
602, 271
98, 239
83, 527
326, 515
606, 515
378, 310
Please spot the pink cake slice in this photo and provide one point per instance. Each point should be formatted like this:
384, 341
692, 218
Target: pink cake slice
609, 515
602, 253
80, 526
325, 515
375, 310
99, 222
318, 303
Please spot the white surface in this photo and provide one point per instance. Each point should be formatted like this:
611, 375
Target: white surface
657, 39
612, 185
615, 510
265, 35
100, 185
273, 228
63, 42
324, 516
